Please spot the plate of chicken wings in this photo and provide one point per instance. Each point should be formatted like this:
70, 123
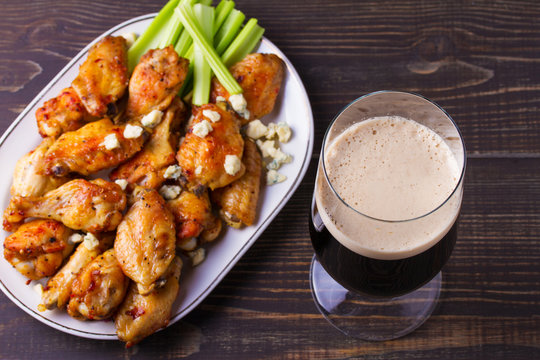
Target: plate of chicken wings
123, 203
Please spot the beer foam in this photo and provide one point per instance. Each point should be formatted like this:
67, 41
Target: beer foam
393, 169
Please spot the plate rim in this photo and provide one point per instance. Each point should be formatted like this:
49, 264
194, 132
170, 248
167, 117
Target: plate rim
238, 255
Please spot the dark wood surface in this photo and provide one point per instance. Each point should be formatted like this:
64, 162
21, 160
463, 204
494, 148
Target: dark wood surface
477, 59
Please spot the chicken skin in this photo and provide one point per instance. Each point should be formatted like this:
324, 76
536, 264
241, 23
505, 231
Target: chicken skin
58, 289
26, 180
145, 240
202, 158
38, 248
148, 166
86, 151
238, 201
80, 204
155, 81
103, 77
99, 289
140, 316
260, 76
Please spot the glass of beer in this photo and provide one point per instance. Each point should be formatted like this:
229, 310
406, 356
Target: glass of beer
384, 214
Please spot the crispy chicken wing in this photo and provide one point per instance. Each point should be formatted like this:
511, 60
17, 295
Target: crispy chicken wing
148, 166
140, 316
155, 81
238, 201
202, 159
145, 240
38, 248
260, 76
65, 112
89, 150
99, 289
93, 206
58, 289
26, 180
103, 77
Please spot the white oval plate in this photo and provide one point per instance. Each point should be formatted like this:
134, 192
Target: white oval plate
195, 284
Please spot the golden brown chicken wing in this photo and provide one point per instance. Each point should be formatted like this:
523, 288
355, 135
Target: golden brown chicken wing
96, 146
260, 76
80, 204
140, 316
63, 113
204, 156
155, 81
145, 240
238, 201
103, 77
38, 248
147, 167
58, 289
99, 289
26, 180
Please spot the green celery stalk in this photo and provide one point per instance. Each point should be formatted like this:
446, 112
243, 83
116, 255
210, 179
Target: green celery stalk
184, 41
223, 10
244, 43
202, 73
228, 30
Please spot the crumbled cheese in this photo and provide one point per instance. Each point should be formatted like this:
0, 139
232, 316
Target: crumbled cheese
256, 129
75, 238
90, 241
198, 170
202, 129
189, 245
123, 183
273, 177
212, 115
267, 147
283, 132
271, 131
220, 98
110, 142
232, 164
170, 192
239, 104
152, 119
197, 256
130, 38
132, 131
279, 158
39, 289
173, 172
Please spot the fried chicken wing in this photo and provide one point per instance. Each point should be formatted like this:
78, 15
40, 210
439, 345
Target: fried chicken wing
89, 150
260, 76
202, 158
238, 201
38, 248
99, 289
145, 240
148, 166
103, 77
155, 81
140, 316
80, 204
26, 180
58, 289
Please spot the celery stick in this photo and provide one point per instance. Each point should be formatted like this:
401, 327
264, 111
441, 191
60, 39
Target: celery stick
244, 43
202, 73
228, 30
219, 68
173, 32
223, 10
183, 44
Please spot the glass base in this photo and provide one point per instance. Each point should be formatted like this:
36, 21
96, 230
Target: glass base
368, 318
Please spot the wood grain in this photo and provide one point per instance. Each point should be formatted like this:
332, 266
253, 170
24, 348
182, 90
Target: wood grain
478, 59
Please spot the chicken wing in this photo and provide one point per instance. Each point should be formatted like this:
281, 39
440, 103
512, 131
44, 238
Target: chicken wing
202, 157
38, 248
80, 204
148, 166
155, 81
140, 316
99, 289
89, 150
238, 201
26, 180
58, 289
145, 240
260, 76
103, 77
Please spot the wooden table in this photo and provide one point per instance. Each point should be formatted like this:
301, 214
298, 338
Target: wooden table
478, 59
